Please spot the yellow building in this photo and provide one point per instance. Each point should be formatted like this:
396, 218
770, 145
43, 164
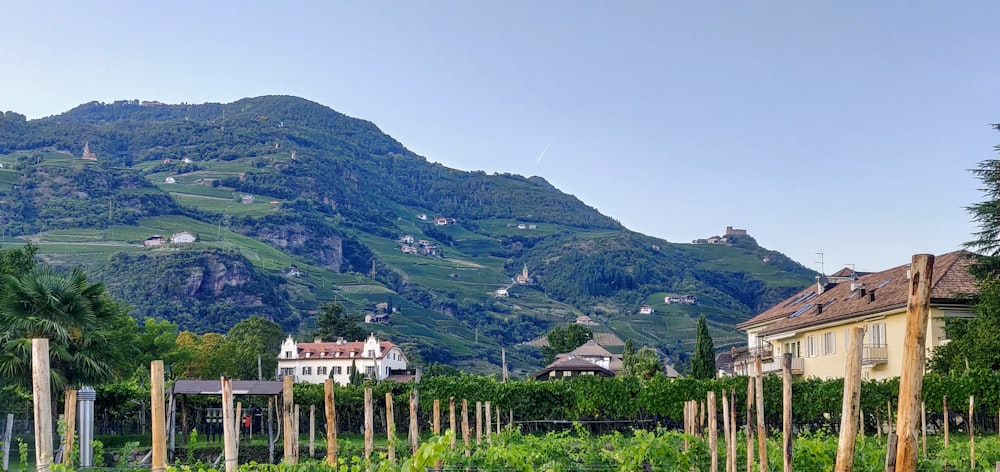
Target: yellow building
813, 324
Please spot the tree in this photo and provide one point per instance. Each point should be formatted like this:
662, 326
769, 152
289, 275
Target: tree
355, 378
77, 318
703, 359
975, 343
334, 322
253, 337
565, 339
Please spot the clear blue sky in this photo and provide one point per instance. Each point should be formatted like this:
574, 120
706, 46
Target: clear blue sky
846, 127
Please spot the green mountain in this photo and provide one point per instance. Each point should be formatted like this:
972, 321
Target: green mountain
292, 204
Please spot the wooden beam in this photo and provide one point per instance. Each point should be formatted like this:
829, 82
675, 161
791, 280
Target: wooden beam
761, 427
331, 423
228, 425
725, 429
312, 431
465, 426
288, 415
713, 431
749, 425
369, 423
786, 412
390, 428
451, 420
159, 420
69, 413
914, 354
414, 428
42, 398
851, 404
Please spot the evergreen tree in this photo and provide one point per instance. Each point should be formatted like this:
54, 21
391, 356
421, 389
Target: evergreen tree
565, 339
335, 322
975, 343
355, 378
703, 359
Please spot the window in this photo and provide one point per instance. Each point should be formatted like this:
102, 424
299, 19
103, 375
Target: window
794, 348
350, 370
829, 343
337, 370
288, 354
287, 371
370, 370
371, 353
307, 371
877, 334
321, 370
811, 347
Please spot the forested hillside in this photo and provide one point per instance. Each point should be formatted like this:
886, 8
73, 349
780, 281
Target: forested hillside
292, 204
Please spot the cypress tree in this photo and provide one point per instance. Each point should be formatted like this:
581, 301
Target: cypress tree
703, 360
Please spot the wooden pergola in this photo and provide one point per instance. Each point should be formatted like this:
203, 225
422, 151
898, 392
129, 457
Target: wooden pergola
183, 388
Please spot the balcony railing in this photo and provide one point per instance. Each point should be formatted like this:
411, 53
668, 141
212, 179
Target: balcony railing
747, 354
798, 366
873, 354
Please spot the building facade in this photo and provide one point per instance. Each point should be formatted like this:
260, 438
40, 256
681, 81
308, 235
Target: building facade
317, 361
813, 325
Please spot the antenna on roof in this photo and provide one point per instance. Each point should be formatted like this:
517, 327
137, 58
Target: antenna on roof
822, 270
853, 270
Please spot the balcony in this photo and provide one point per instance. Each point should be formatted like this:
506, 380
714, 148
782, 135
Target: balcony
874, 354
798, 366
748, 354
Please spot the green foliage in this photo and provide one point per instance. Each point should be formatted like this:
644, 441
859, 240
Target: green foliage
251, 339
564, 339
703, 359
334, 321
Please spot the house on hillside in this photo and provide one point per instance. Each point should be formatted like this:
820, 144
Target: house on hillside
646, 310
154, 240
441, 222
588, 359
182, 237
317, 361
502, 293
170, 180
523, 278
813, 325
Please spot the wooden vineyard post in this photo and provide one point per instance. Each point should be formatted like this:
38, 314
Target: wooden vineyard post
786, 412
295, 428
861, 422
972, 434
228, 425
759, 406
703, 412
236, 426
914, 354
923, 428
489, 423
331, 423
437, 417
497, 409
851, 403
749, 425
390, 428
414, 429
479, 423
465, 426
713, 431
312, 431
288, 414
732, 426
687, 422
369, 423
725, 429
42, 402
944, 405
451, 420
70, 416
159, 419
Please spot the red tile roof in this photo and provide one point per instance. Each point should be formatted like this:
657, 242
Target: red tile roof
329, 350
883, 291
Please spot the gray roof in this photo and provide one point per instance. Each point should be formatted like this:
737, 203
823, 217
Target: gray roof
590, 349
214, 387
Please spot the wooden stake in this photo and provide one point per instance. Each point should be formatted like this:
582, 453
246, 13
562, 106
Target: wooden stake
749, 425
288, 413
914, 354
732, 427
713, 431
944, 404
465, 426
295, 428
437, 417
451, 420
923, 427
851, 404
489, 423
390, 428
703, 412
861, 422
236, 426
228, 424
786, 412
479, 423
972, 433
497, 409
369, 423
414, 428
312, 431
69, 413
761, 430
331, 423
42, 398
159, 419
725, 429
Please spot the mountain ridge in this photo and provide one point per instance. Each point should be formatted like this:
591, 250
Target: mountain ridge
279, 181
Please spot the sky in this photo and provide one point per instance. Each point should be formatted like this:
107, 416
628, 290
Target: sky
842, 128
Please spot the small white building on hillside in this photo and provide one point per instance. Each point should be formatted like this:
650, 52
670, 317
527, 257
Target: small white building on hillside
317, 361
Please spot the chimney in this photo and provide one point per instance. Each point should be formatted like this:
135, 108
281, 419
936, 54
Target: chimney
317, 340
819, 308
821, 282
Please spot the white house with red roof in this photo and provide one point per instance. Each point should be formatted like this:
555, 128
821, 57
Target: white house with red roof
317, 361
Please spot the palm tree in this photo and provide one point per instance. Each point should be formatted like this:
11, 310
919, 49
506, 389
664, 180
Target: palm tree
68, 310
